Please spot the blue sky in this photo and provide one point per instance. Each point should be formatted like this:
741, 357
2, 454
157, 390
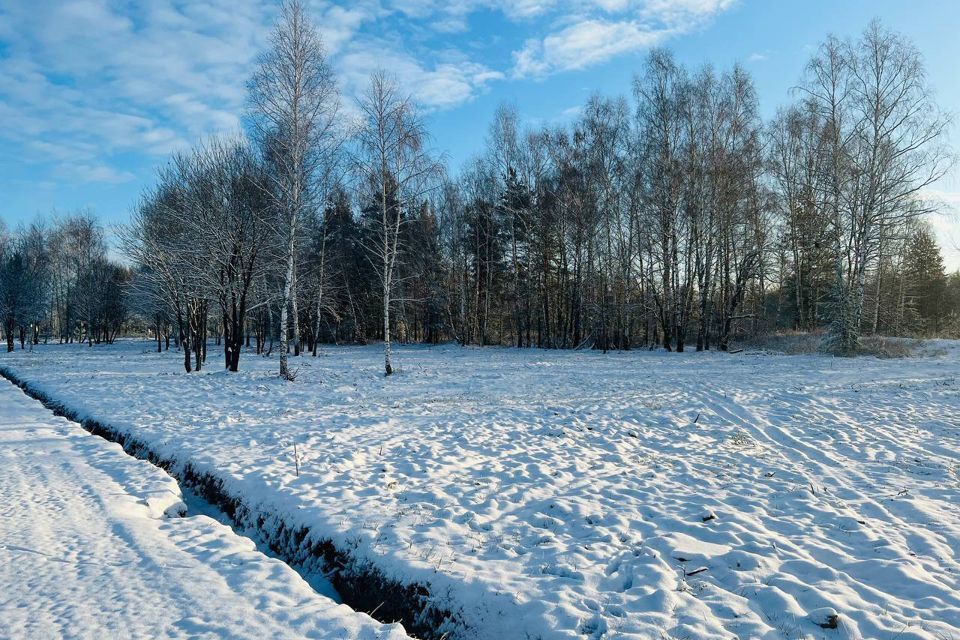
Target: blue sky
94, 94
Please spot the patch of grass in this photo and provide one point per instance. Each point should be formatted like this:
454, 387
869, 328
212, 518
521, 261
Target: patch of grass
803, 343
884, 347
791, 343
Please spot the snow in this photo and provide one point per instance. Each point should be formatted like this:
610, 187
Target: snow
87, 550
577, 494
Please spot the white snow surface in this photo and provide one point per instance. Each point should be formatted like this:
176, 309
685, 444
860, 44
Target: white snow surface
86, 550
578, 494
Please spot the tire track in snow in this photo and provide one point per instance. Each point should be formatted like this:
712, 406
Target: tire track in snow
843, 488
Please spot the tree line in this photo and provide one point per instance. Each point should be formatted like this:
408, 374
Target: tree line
676, 218
56, 281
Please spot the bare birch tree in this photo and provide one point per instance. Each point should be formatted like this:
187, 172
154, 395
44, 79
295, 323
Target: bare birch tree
884, 145
392, 163
293, 107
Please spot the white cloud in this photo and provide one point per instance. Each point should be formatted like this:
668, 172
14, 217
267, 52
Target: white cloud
80, 173
98, 75
84, 83
96, 78
338, 24
598, 30
582, 45
445, 84
683, 13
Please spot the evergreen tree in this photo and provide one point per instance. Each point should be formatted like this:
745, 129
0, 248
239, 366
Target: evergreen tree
926, 278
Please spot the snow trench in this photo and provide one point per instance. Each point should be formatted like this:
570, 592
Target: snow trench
360, 584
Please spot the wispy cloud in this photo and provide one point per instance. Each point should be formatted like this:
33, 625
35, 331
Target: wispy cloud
582, 45
83, 80
603, 29
86, 84
81, 173
447, 82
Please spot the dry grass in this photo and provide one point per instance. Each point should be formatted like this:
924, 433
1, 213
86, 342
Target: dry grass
788, 342
885, 347
801, 343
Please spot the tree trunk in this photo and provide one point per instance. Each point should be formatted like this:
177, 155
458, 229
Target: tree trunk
294, 312
9, 332
285, 311
387, 259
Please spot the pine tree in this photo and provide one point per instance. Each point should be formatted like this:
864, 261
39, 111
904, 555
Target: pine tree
925, 278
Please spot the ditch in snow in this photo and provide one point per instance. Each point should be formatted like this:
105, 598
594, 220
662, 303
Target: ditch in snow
198, 506
329, 571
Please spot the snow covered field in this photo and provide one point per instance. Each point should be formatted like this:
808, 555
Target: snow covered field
570, 495
87, 552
